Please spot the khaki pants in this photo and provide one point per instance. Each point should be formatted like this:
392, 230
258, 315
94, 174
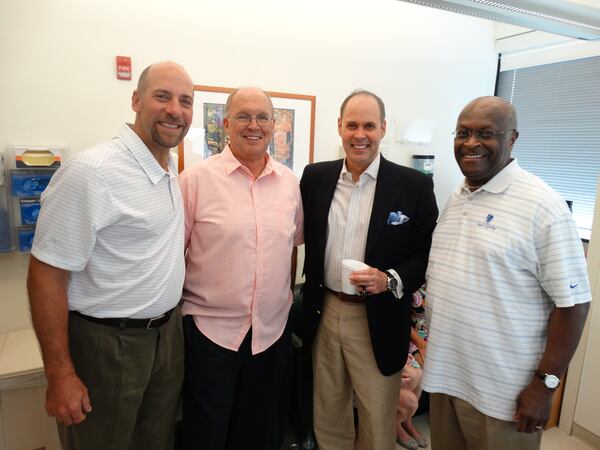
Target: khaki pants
456, 425
343, 361
134, 378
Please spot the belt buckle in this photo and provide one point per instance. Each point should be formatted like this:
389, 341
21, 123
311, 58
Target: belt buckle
152, 320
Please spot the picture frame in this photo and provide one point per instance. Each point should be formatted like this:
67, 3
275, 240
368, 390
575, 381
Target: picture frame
293, 139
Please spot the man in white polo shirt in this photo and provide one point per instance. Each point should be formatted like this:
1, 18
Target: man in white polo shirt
106, 274
507, 293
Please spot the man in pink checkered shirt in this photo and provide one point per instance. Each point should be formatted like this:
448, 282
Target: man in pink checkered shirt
243, 223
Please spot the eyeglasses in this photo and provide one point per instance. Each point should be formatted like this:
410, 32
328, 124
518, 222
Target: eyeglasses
480, 135
245, 119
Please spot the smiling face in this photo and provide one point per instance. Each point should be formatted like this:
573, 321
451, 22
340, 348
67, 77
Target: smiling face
164, 107
361, 128
481, 159
249, 142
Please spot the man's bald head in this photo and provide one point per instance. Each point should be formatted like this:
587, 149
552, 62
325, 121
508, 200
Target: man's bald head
146, 74
498, 107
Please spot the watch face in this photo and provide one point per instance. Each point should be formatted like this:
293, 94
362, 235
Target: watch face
551, 381
392, 282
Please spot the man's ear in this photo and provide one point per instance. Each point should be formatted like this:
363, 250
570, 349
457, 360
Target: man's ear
340, 126
513, 138
226, 124
135, 101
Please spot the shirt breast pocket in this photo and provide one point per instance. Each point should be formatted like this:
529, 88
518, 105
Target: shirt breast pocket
281, 221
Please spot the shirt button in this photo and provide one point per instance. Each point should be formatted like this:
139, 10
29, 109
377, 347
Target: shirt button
318, 311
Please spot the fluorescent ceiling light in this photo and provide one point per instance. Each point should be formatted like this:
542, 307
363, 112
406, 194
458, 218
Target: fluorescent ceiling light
573, 18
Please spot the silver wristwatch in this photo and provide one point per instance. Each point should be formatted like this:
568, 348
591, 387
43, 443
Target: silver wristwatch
392, 281
551, 381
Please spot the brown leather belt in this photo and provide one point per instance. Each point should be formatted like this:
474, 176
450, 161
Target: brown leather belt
346, 297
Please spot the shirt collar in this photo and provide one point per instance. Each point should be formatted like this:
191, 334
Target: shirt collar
231, 163
501, 181
273, 166
145, 159
372, 170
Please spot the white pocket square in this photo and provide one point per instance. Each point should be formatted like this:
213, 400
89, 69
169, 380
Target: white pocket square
397, 218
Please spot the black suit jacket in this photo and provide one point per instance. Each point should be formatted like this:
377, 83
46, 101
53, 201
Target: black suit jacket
404, 248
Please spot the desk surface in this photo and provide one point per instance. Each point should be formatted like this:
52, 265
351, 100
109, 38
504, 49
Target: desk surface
19, 355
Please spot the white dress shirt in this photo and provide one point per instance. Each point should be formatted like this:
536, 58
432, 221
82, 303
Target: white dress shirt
348, 223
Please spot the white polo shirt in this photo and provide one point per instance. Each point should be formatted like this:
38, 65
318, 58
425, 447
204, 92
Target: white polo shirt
113, 217
501, 259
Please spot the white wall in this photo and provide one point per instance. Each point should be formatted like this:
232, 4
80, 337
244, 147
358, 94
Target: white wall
58, 83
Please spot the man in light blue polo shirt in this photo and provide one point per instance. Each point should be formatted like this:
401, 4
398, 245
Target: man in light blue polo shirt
507, 293
106, 274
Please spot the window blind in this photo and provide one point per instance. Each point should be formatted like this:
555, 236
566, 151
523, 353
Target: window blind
558, 111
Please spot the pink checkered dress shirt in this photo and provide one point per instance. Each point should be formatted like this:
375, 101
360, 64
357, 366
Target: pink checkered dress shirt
239, 237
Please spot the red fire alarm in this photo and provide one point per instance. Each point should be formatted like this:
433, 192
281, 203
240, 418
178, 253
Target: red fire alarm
123, 68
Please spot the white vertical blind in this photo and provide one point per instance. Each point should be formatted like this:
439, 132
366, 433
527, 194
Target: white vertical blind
558, 109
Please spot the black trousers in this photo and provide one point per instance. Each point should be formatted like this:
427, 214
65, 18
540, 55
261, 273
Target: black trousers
230, 399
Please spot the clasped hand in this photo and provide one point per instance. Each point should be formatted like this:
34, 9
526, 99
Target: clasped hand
369, 281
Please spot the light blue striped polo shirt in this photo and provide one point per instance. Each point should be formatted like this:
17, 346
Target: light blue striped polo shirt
113, 217
502, 257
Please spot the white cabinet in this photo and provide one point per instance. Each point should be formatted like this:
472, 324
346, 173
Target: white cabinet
24, 424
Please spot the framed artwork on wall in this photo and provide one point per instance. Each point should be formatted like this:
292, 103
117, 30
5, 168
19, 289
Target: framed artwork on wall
292, 143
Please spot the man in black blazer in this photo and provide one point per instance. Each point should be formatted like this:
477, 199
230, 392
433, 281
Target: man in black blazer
366, 208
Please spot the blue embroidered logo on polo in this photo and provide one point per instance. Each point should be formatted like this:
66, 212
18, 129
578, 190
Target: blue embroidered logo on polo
573, 286
487, 223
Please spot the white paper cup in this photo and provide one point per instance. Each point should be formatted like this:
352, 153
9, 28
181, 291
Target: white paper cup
349, 266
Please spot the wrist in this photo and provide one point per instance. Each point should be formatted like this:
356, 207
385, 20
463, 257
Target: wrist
59, 373
538, 389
